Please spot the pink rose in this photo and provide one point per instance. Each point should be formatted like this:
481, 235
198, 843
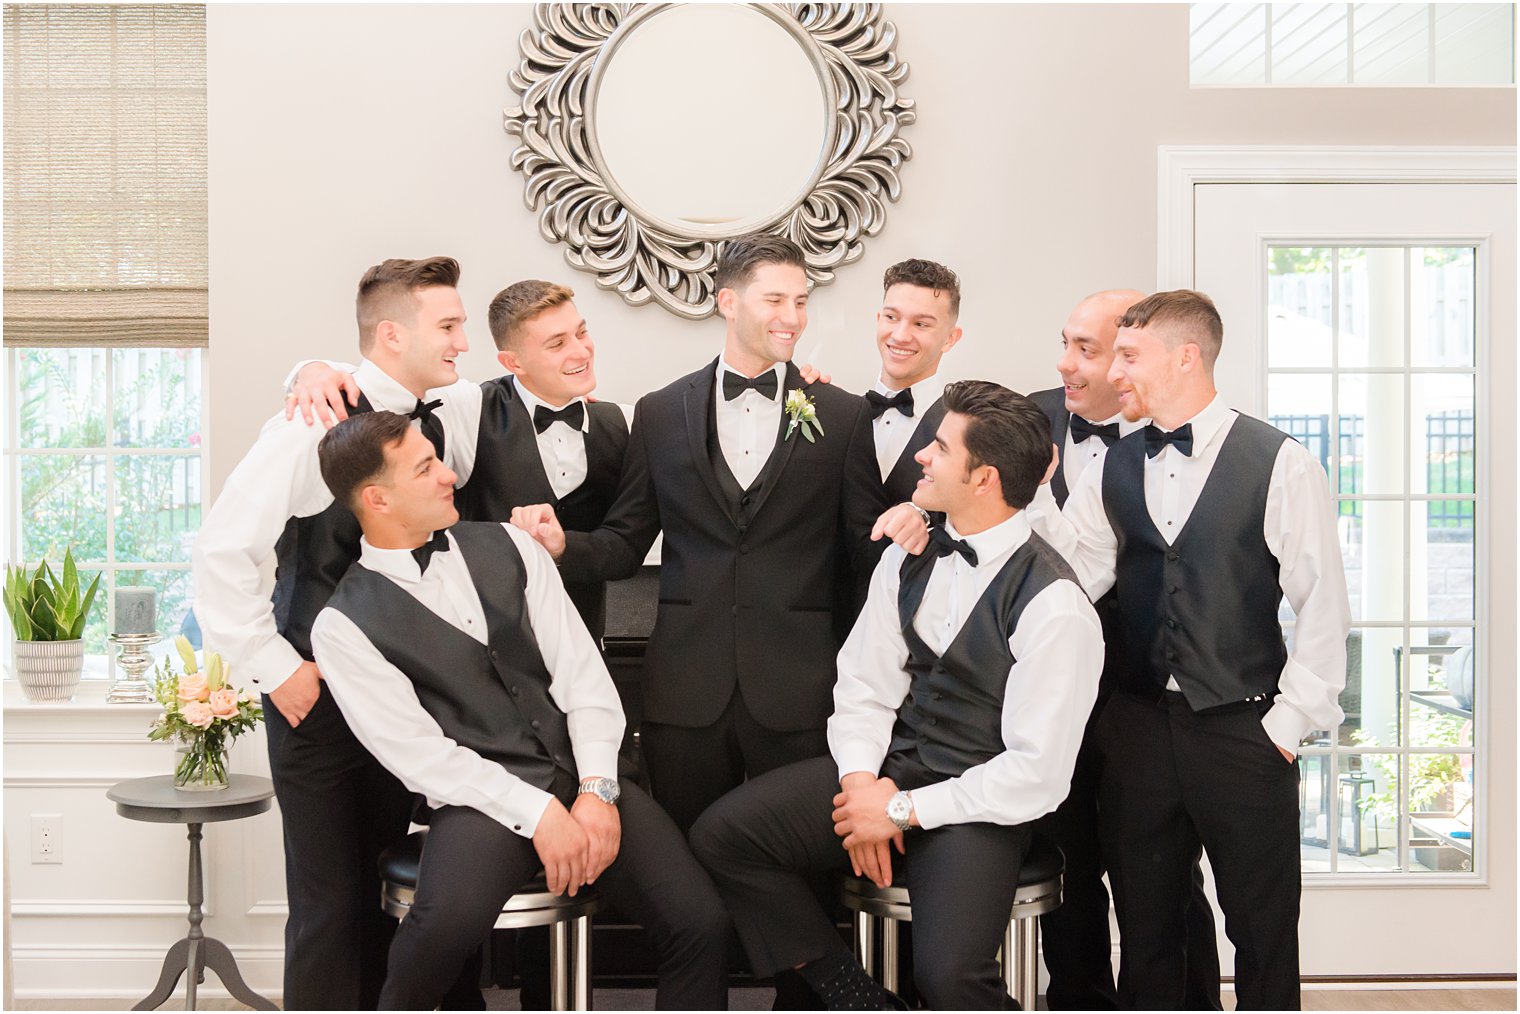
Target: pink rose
197, 714
193, 688
224, 702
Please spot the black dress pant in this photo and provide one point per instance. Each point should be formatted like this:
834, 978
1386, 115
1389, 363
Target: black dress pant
763, 841
1075, 938
472, 864
1175, 783
690, 768
339, 810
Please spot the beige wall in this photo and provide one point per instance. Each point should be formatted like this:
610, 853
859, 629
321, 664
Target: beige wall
341, 135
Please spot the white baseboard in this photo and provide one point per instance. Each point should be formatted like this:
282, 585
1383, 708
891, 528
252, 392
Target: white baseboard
103, 972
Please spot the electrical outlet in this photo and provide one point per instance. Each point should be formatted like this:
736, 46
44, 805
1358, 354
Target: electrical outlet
46, 847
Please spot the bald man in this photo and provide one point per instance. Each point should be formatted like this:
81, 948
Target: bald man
1084, 421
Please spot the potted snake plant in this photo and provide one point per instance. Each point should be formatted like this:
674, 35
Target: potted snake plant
48, 615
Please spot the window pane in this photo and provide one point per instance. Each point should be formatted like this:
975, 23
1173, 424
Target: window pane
1298, 307
1441, 285
1308, 44
1441, 585
63, 499
1474, 44
1391, 43
1368, 829
61, 397
1371, 697
1441, 671
1372, 545
1299, 405
1371, 306
1226, 44
1314, 811
1441, 814
158, 508
157, 397
1442, 443
1372, 442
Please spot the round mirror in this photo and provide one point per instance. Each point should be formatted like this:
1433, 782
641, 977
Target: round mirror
709, 120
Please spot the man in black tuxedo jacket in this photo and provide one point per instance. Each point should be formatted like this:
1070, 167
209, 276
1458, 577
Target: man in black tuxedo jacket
766, 490
1085, 421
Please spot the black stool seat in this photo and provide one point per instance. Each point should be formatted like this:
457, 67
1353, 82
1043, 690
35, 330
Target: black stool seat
532, 905
1039, 891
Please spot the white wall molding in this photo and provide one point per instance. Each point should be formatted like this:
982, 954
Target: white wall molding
1179, 168
89, 907
104, 972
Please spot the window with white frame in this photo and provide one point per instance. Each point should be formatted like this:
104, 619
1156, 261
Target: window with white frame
1319, 44
1371, 363
105, 297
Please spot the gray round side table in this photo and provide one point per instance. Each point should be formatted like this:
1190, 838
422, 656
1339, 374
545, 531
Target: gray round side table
157, 800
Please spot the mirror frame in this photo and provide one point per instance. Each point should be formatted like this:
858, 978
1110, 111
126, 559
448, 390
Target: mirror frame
643, 258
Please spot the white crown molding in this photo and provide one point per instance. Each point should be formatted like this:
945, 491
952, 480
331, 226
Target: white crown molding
1179, 168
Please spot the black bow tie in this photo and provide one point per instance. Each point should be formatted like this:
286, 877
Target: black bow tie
1156, 440
902, 401
431, 425
944, 544
1081, 429
439, 543
735, 385
572, 415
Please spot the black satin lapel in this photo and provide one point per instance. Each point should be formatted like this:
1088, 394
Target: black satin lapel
782, 452
697, 403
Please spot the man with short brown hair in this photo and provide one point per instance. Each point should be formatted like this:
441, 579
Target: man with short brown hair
339, 807
1202, 522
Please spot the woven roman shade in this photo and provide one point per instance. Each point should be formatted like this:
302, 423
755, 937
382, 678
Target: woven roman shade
105, 175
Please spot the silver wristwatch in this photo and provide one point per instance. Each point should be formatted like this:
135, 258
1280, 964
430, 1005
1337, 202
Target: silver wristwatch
900, 810
928, 521
605, 789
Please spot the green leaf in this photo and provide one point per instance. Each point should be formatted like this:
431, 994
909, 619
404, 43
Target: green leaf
76, 629
70, 575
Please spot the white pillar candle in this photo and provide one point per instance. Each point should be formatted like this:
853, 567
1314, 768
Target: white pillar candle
136, 610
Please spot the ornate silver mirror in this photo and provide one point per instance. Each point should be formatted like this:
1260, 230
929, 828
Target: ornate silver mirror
652, 133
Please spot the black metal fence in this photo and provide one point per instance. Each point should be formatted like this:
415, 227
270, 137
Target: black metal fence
1450, 453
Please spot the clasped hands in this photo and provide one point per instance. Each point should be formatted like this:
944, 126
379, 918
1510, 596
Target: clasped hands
860, 818
577, 844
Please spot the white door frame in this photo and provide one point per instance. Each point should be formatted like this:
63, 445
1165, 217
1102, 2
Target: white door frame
1179, 168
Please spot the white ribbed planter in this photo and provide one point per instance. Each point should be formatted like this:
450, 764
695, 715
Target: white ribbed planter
48, 670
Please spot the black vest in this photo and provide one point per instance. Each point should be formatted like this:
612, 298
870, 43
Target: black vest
311, 556
509, 472
740, 502
903, 479
1203, 609
952, 719
1053, 404
493, 698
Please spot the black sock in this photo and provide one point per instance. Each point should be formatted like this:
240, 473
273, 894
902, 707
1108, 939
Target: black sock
842, 984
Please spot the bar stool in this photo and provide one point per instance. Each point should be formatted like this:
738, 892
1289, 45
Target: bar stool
569, 940
1039, 892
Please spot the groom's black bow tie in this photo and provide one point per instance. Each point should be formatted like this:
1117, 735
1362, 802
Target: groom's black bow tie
735, 385
1081, 429
902, 401
1156, 440
431, 425
572, 415
439, 543
943, 544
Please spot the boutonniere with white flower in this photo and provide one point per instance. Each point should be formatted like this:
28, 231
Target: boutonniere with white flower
802, 412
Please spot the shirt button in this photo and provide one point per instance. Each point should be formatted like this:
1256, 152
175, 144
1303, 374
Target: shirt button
517, 827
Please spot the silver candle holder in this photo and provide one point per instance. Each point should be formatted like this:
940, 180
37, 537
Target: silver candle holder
134, 659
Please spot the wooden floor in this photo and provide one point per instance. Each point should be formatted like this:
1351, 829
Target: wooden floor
760, 999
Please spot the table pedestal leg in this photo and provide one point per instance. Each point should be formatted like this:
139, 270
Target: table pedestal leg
197, 952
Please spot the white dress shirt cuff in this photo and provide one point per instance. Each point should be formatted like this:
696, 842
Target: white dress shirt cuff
853, 757
595, 760
934, 805
1286, 725
270, 666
